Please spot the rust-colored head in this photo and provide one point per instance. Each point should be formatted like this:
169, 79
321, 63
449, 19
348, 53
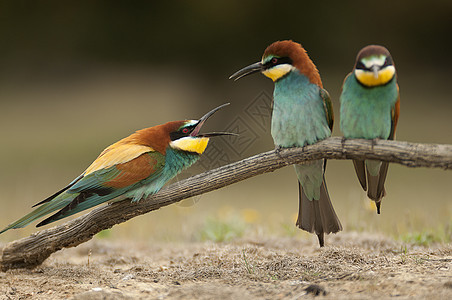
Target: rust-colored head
279, 59
297, 55
157, 137
181, 135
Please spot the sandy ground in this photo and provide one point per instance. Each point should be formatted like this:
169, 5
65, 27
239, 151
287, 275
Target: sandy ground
351, 266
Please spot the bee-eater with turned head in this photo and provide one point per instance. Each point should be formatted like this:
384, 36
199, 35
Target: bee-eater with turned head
302, 115
370, 106
134, 167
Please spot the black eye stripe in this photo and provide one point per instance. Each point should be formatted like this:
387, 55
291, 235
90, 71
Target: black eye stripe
360, 66
277, 61
182, 132
388, 62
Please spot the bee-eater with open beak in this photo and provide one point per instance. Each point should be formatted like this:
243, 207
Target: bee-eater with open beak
134, 167
302, 115
370, 106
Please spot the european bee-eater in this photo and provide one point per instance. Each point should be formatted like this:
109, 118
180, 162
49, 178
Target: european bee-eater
134, 167
370, 106
302, 115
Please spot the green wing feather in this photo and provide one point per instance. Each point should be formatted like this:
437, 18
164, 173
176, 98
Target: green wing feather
91, 192
60, 191
60, 201
83, 193
328, 107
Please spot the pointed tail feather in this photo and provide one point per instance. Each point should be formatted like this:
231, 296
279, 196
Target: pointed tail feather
80, 203
376, 190
308, 213
60, 191
331, 223
373, 184
360, 170
382, 179
317, 215
41, 211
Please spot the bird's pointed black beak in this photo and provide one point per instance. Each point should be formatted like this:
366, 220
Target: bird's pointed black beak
251, 69
375, 69
203, 119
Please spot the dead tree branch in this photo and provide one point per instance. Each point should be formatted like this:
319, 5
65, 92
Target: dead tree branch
33, 250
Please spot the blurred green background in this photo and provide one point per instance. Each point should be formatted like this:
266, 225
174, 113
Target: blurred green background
76, 76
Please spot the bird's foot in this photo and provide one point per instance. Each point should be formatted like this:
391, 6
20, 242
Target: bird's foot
343, 140
278, 150
373, 143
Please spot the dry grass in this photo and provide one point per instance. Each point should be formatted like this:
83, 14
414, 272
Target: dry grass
353, 266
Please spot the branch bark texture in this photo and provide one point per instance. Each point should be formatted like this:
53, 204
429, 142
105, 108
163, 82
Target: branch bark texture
31, 251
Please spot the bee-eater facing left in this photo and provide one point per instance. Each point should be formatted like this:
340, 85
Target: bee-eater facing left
302, 115
370, 106
134, 167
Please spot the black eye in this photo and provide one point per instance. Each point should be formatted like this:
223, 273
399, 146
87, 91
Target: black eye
360, 65
185, 130
274, 60
388, 62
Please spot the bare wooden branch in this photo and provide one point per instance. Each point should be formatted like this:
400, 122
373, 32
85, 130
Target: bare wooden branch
33, 250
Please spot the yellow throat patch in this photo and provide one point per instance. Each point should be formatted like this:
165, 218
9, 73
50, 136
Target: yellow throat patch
191, 144
368, 78
278, 71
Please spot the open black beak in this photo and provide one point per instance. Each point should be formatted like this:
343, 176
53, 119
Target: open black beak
204, 119
251, 69
211, 134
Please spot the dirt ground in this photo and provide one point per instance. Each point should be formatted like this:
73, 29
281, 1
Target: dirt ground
351, 266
